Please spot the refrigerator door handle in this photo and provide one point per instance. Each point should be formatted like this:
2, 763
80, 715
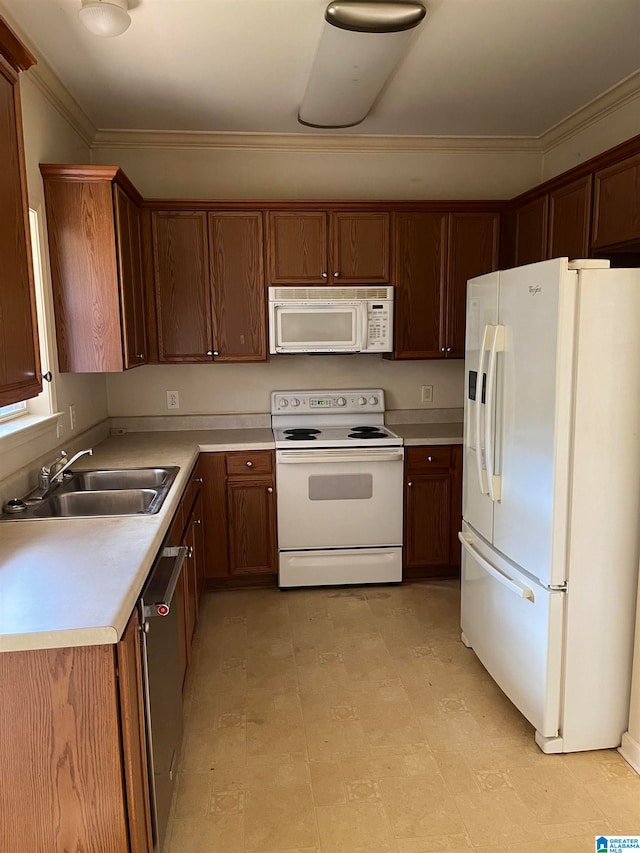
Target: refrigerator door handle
518, 589
482, 474
497, 345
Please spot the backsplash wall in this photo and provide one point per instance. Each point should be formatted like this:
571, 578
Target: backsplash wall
246, 388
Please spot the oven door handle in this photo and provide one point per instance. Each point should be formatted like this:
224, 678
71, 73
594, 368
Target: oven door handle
295, 457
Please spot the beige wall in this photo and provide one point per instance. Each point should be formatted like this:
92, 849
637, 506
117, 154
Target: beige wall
245, 388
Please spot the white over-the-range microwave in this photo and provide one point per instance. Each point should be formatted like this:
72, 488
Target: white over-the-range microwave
331, 319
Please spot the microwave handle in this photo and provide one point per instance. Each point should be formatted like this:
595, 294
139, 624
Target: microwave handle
364, 343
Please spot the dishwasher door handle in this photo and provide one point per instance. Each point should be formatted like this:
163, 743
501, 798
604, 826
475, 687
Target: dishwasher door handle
161, 603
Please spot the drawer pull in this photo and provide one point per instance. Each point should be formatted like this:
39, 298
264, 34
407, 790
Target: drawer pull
249, 464
198, 480
429, 458
270, 489
409, 483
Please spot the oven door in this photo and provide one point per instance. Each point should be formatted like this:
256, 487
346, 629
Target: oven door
316, 327
339, 498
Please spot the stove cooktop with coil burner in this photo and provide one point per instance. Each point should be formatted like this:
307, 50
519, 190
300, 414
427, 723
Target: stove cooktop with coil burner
342, 418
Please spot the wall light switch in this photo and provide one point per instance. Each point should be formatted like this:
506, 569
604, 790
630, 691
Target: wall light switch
173, 399
427, 393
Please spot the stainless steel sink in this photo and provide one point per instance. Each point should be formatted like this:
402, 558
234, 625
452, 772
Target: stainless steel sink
108, 502
99, 492
120, 478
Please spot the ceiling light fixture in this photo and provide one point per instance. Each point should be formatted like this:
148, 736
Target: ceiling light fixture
106, 18
361, 43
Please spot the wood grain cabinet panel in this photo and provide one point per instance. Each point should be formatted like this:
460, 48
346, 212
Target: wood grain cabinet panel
237, 283
569, 220
214, 512
95, 247
183, 297
419, 278
72, 747
359, 248
433, 511
297, 248
531, 231
616, 211
19, 352
252, 526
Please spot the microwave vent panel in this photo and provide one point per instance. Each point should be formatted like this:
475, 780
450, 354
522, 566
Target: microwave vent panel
328, 294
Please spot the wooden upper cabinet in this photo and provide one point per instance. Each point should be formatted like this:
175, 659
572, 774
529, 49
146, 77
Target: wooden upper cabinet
569, 220
419, 278
181, 274
473, 251
132, 295
237, 283
95, 247
359, 248
19, 352
322, 247
297, 247
616, 209
531, 231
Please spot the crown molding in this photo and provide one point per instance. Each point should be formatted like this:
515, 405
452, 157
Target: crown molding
356, 143
621, 95
47, 81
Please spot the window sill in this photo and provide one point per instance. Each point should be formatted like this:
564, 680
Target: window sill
25, 428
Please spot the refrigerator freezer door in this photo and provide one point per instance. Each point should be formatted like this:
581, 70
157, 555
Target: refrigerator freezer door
537, 311
515, 627
482, 315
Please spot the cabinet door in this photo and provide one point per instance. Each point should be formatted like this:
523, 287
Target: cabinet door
297, 247
420, 267
183, 299
428, 520
214, 514
569, 220
128, 235
237, 282
359, 248
190, 587
473, 250
616, 210
198, 547
19, 351
531, 231
252, 526
134, 744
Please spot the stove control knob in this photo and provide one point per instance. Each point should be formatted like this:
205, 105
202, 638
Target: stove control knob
341, 401
373, 401
295, 402
283, 402
362, 401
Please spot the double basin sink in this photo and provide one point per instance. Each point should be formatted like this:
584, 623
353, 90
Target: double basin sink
117, 491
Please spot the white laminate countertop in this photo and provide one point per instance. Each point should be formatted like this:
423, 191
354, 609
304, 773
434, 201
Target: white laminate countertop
432, 433
74, 581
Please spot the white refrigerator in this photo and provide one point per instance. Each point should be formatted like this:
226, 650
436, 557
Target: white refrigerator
551, 493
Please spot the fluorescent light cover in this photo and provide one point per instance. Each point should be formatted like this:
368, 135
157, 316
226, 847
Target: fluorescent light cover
351, 67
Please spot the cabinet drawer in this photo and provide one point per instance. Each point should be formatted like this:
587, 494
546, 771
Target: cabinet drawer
251, 462
427, 458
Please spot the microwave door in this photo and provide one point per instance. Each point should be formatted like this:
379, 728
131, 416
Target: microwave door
318, 328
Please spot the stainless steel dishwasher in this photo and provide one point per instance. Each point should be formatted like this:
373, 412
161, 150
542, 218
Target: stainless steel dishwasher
162, 683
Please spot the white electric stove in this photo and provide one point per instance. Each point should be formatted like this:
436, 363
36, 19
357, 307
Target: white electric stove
339, 475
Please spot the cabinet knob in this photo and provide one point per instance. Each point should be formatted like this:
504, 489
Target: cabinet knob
336, 275
409, 483
209, 352
140, 355
197, 521
249, 464
429, 458
190, 552
270, 489
449, 349
215, 352
443, 349
198, 480
325, 275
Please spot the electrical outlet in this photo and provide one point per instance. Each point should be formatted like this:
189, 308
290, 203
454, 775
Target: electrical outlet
173, 399
427, 393
72, 417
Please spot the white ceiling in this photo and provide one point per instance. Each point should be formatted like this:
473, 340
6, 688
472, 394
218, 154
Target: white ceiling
475, 67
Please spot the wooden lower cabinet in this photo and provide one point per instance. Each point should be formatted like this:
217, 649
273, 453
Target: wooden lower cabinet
239, 517
433, 511
73, 749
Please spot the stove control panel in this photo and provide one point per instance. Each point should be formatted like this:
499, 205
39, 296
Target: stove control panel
313, 402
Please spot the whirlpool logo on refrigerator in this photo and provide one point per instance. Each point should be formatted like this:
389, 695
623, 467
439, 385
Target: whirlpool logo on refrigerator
534, 288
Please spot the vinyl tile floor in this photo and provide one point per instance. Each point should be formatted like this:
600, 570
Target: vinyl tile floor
338, 720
